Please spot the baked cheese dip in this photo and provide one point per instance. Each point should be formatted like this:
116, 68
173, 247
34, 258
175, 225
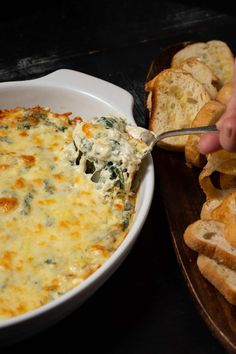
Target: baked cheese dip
66, 201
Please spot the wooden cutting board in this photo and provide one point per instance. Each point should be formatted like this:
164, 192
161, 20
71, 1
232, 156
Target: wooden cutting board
183, 199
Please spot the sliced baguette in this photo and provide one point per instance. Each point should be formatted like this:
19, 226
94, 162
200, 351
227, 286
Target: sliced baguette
207, 238
149, 87
201, 72
220, 276
215, 53
176, 99
208, 114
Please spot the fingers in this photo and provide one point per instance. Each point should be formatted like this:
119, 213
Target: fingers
232, 102
225, 138
209, 142
227, 135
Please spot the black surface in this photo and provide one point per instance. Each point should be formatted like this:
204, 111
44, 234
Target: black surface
145, 307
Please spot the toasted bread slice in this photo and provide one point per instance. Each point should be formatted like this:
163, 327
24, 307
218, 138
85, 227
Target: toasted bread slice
149, 87
215, 53
208, 238
220, 276
225, 93
226, 213
208, 114
176, 99
203, 74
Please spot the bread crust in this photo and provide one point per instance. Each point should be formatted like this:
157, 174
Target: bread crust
210, 270
206, 245
176, 99
215, 53
201, 72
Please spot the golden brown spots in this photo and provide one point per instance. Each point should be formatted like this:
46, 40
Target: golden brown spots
28, 159
58, 177
8, 204
20, 183
2, 133
6, 260
64, 224
119, 206
101, 250
24, 133
38, 228
38, 141
77, 119
87, 131
53, 286
54, 145
4, 166
63, 115
21, 308
5, 311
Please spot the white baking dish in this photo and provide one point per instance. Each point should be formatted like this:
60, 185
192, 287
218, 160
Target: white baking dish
87, 96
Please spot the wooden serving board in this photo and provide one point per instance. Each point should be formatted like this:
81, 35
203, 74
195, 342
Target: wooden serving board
183, 199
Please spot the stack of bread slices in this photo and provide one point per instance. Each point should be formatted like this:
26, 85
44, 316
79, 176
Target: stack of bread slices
194, 91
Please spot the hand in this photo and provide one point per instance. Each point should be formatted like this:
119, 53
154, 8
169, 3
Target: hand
225, 138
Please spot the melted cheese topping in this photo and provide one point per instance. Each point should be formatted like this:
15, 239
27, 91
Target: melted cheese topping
113, 154
58, 224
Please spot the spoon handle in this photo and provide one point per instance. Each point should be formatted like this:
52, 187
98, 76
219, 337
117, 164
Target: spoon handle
186, 131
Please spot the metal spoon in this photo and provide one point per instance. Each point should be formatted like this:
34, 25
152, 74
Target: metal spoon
151, 138
185, 131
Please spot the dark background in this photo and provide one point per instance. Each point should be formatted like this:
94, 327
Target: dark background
145, 307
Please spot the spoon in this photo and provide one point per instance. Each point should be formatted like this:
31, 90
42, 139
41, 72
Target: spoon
151, 138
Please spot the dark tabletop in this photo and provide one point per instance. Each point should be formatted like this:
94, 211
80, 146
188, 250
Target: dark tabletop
145, 307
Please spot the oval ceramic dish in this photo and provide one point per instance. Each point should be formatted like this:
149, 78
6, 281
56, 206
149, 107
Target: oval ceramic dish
87, 96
